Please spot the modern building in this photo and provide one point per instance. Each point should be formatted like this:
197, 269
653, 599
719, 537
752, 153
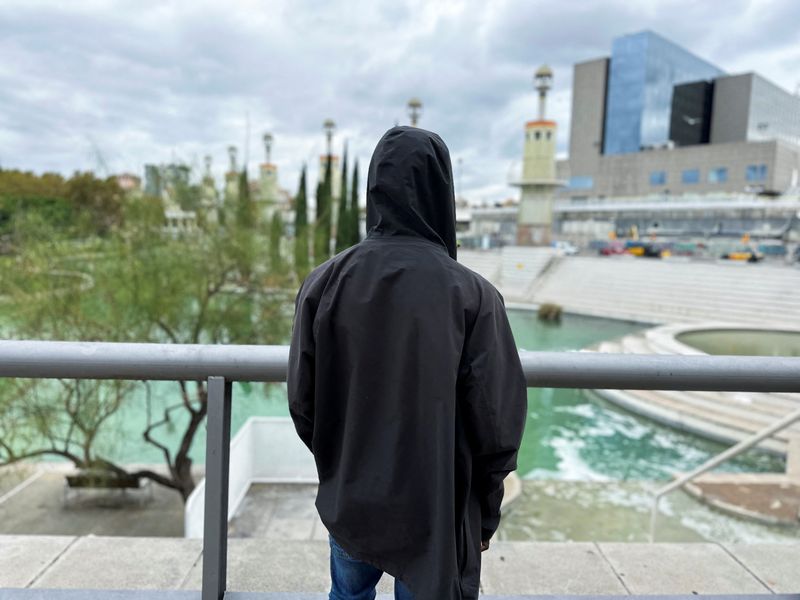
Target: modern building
655, 119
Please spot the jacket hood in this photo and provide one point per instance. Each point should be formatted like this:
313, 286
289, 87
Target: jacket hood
410, 188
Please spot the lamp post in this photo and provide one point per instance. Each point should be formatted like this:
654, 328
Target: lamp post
414, 110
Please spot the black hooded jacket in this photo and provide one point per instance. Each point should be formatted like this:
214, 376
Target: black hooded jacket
405, 382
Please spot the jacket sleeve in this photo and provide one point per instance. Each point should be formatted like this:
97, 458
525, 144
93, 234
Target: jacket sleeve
494, 399
300, 374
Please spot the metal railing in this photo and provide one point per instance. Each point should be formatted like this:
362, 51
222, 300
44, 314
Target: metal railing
221, 365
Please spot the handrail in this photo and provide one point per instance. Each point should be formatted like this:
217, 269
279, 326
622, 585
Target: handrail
588, 370
220, 365
720, 458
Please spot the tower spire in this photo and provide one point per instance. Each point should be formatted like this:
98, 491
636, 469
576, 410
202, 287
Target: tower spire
543, 81
268, 146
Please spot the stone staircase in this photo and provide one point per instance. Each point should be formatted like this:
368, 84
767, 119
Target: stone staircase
727, 417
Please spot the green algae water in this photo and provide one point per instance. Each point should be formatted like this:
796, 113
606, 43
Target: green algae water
569, 434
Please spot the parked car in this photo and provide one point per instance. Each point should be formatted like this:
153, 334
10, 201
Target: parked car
744, 254
611, 248
565, 247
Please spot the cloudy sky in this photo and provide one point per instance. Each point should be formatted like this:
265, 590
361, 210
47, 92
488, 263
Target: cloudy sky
138, 81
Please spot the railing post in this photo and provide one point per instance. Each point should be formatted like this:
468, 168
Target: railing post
215, 519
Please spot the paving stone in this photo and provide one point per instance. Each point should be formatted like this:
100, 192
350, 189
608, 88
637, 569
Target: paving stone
289, 529
123, 563
320, 532
777, 565
679, 569
23, 557
547, 568
278, 566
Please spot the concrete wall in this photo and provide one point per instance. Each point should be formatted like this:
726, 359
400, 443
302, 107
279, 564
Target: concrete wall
588, 115
731, 106
629, 174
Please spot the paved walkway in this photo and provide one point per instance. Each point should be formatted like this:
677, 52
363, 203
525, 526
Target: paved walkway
766, 497
302, 566
36, 506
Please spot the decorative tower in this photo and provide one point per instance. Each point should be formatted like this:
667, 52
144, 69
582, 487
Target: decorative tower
414, 110
231, 177
268, 176
534, 222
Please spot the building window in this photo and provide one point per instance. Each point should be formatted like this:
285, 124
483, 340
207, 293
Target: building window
548, 135
690, 176
658, 177
756, 173
718, 175
538, 134
581, 182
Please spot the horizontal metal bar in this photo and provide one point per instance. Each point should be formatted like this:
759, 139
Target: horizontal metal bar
590, 370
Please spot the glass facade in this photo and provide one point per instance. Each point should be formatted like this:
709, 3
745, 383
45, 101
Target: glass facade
690, 176
774, 113
578, 182
756, 173
718, 175
643, 70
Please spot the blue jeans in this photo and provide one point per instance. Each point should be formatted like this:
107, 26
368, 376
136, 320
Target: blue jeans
352, 579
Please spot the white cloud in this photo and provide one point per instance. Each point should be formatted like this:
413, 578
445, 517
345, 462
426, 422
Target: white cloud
152, 81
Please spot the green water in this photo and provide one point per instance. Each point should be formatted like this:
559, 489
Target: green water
573, 434
569, 434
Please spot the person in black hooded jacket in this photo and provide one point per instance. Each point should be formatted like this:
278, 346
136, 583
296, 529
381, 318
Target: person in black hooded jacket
405, 383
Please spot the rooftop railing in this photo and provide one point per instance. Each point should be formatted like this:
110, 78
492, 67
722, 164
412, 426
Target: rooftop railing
222, 365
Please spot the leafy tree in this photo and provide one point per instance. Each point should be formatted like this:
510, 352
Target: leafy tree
97, 202
301, 259
343, 236
353, 214
82, 205
143, 286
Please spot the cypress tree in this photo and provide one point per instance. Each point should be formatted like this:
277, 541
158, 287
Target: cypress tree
322, 230
301, 262
352, 213
343, 236
245, 209
275, 235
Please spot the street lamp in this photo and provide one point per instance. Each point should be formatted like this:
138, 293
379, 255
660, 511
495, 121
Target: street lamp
414, 110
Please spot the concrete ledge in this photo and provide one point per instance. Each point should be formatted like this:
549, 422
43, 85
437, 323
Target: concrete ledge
96, 567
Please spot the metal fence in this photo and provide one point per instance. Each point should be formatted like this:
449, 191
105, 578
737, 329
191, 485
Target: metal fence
221, 365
